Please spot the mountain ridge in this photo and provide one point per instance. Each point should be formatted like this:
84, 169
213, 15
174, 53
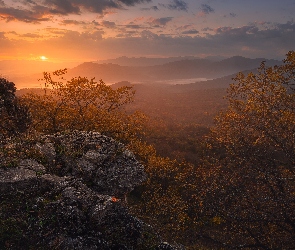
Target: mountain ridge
186, 68
183, 69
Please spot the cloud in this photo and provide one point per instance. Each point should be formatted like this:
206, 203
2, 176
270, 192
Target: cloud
287, 27
133, 2
207, 29
148, 35
127, 33
108, 24
72, 22
43, 10
176, 5
38, 14
133, 26
155, 8
206, 9
75, 6
250, 41
190, 32
56, 31
249, 29
160, 21
63, 7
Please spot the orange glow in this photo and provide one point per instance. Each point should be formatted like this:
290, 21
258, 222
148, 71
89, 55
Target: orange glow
43, 58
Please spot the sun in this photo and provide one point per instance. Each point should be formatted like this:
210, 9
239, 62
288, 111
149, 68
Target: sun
43, 58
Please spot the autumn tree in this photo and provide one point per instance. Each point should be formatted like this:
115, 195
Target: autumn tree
247, 189
14, 116
83, 104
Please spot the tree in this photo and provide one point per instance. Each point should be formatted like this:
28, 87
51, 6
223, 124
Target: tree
83, 104
14, 116
247, 193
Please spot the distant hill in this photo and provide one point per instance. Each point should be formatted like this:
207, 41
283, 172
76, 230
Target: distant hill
182, 69
156, 70
142, 61
146, 61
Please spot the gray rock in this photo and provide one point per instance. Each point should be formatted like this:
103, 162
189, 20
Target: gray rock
73, 201
100, 161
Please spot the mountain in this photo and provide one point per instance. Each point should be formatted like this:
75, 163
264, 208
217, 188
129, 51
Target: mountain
183, 69
142, 61
172, 70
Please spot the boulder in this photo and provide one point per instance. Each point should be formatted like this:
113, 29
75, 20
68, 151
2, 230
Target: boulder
104, 164
69, 196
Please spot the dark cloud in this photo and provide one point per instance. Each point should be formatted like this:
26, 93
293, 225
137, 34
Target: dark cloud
148, 35
160, 21
176, 5
72, 22
25, 2
133, 26
9, 14
206, 9
108, 24
96, 6
42, 10
63, 7
251, 29
207, 29
286, 27
127, 34
190, 32
155, 8
133, 2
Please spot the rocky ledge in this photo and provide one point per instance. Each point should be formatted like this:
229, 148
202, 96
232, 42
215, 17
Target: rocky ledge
69, 194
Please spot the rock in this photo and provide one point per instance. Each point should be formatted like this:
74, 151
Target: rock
100, 161
72, 200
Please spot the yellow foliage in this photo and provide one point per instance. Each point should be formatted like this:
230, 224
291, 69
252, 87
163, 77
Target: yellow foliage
83, 104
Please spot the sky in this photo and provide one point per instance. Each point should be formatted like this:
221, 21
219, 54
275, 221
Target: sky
90, 30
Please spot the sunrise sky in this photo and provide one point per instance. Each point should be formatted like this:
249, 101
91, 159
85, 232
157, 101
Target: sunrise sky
88, 30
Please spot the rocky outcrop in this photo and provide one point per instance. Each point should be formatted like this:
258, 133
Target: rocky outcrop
68, 195
104, 164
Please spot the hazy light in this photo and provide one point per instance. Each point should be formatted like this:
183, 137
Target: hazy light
43, 58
